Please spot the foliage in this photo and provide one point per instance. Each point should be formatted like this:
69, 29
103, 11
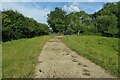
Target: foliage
56, 20
107, 24
15, 26
105, 21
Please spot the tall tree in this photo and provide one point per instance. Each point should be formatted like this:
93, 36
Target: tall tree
15, 26
107, 19
56, 20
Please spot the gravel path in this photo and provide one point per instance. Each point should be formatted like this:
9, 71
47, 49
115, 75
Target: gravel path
58, 61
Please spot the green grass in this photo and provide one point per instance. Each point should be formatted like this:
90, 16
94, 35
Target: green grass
19, 57
101, 50
0, 60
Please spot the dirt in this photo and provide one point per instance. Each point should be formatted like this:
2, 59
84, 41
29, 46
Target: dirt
58, 61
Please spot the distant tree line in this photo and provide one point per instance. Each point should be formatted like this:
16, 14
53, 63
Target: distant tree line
104, 22
16, 26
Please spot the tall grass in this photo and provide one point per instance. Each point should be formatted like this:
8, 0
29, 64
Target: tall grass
0, 60
19, 57
101, 50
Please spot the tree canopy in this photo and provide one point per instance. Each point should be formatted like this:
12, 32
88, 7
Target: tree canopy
56, 20
105, 21
15, 26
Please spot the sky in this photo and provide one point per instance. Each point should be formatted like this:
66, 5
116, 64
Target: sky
39, 10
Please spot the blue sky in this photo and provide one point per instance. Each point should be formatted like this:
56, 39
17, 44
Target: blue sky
39, 10
59, 0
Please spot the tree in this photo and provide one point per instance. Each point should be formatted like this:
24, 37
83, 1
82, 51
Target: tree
107, 24
16, 26
79, 22
56, 20
107, 19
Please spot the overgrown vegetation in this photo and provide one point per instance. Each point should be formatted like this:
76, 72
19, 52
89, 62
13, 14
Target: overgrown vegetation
20, 57
16, 26
101, 50
104, 22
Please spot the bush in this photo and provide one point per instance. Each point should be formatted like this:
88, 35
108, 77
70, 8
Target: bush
16, 26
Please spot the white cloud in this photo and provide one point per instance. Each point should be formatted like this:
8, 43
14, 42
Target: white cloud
38, 14
71, 8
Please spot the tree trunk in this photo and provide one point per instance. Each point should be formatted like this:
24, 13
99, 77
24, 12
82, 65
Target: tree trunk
78, 32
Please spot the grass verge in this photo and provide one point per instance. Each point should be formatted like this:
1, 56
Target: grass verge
101, 50
19, 57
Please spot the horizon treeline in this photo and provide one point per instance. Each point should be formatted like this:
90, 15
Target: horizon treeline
16, 26
104, 22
